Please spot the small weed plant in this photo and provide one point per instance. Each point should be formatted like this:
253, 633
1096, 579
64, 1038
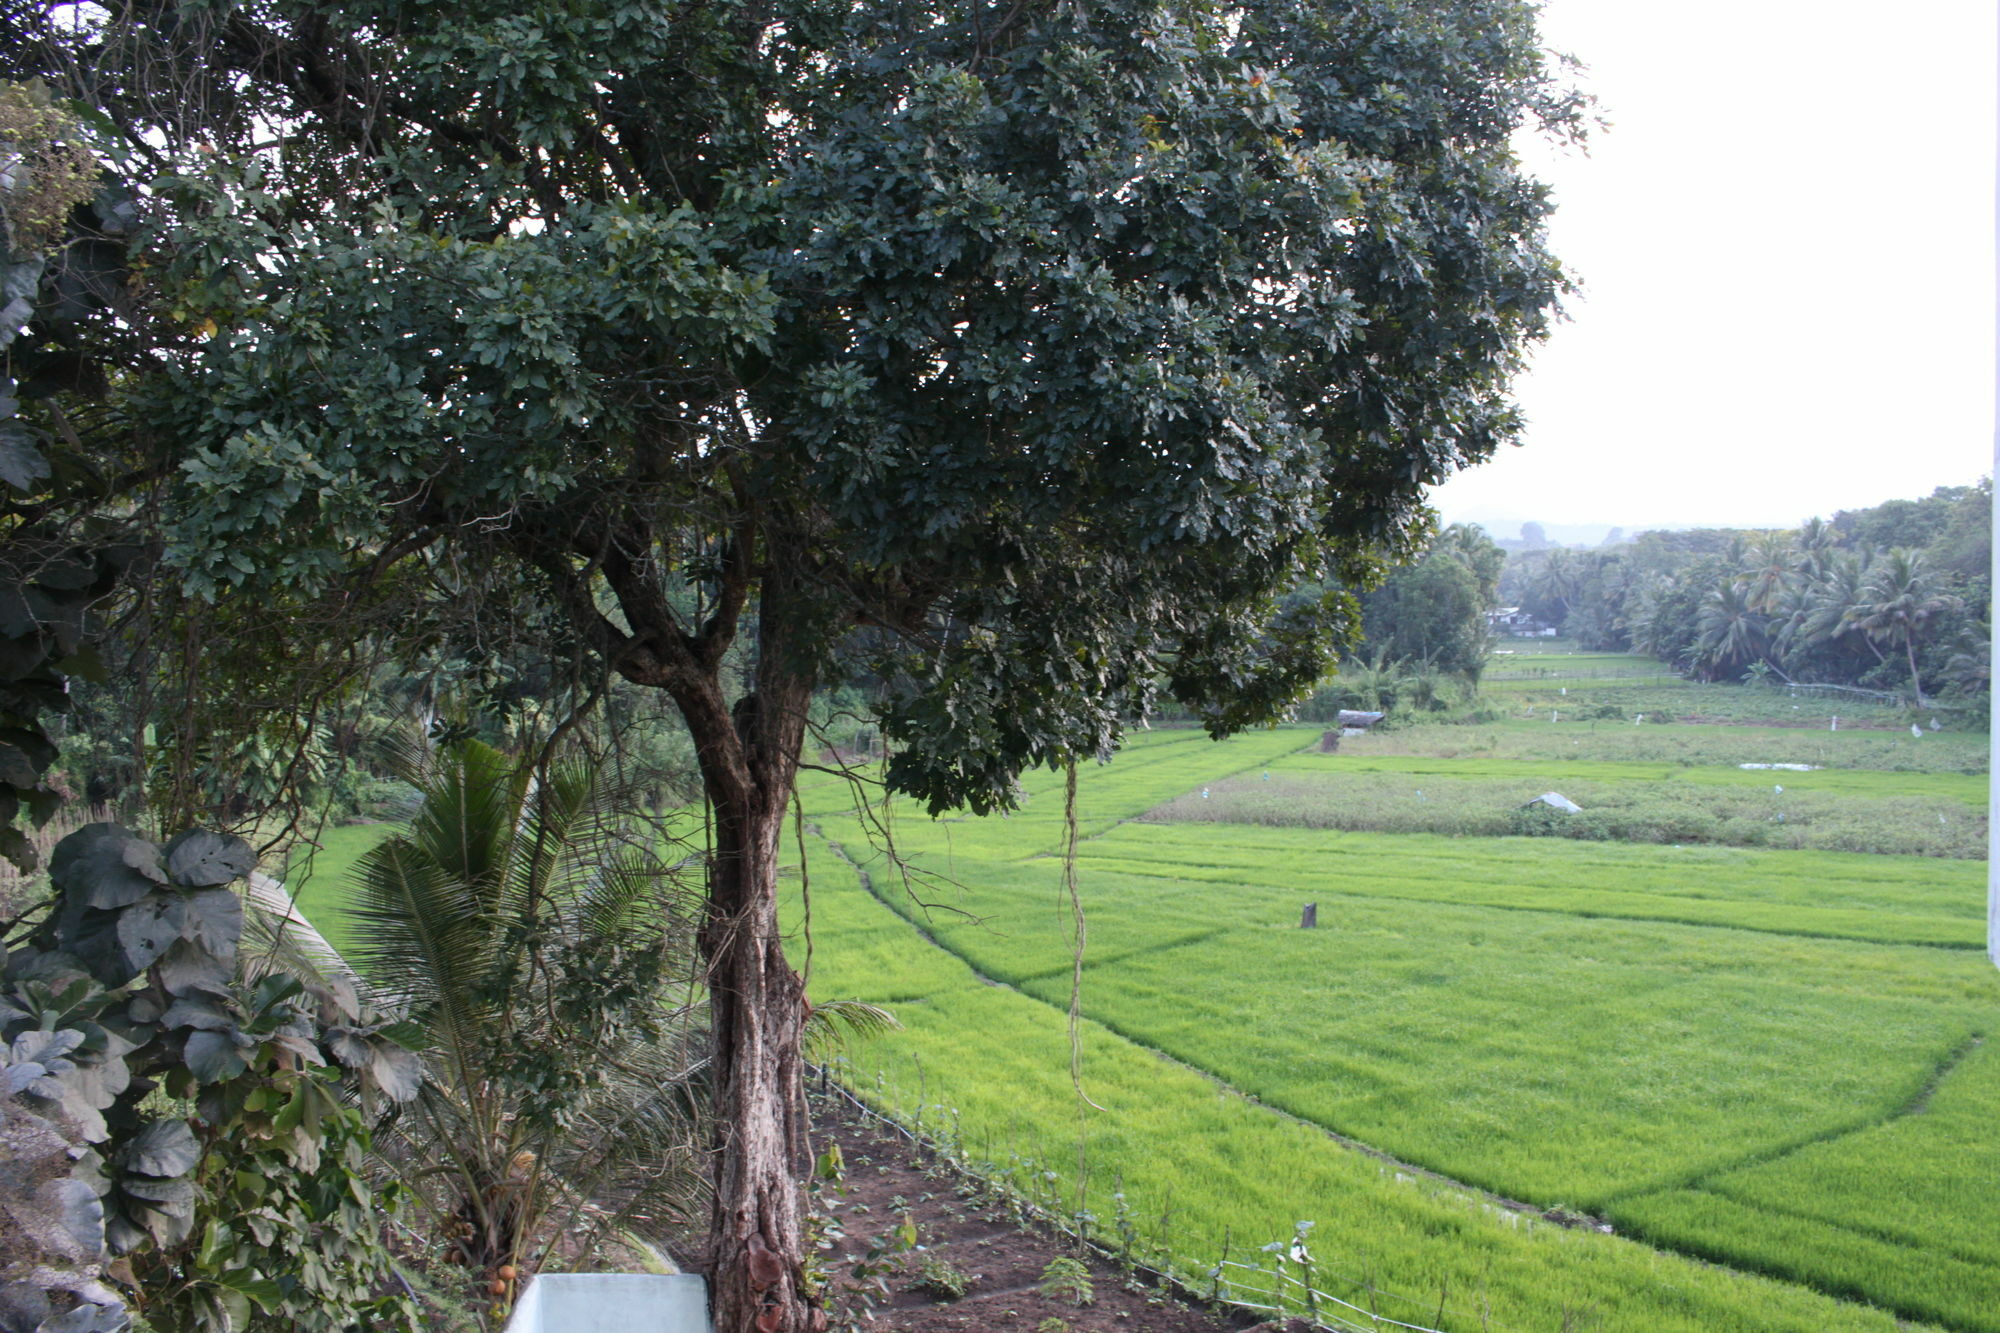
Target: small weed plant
940, 1277
1068, 1279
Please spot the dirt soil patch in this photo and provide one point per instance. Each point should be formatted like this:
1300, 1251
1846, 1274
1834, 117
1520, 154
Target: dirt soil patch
964, 1232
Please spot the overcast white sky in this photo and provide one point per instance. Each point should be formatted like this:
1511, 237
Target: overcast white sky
1786, 243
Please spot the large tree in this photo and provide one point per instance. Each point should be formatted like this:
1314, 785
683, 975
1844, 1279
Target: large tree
1899, 602
1025, 348
1431, 612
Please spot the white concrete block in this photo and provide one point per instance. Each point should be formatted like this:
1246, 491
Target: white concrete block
612, 1303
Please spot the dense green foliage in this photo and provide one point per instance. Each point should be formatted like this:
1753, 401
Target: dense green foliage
1895, 597
540, 940
1434, 610
1290, 250
64, 319
216, 1149
1424, 638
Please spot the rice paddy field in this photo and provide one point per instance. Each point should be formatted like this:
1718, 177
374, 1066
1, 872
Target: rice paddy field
1678, 1066
1741, 1062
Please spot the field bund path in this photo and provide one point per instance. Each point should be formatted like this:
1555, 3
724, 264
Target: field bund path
1774, 1060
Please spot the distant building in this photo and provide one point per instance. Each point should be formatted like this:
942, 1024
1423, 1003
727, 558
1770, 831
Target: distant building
1512, 620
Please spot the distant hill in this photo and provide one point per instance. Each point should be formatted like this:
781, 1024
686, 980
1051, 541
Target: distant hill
1515, 534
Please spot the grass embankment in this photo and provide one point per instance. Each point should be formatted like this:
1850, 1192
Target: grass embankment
1943, 819
1759, 1020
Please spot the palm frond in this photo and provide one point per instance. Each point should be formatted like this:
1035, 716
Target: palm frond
533, 931
830, 1026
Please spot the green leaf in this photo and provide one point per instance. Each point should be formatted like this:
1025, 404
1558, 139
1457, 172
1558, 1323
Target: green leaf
214, 921
174, 1192
188, 969
80, 1211
16, 847
292, 1112
218, 1242
213, 1057
266, 1294
163, 1148
235, 1309
198, 859
350, 1046
122, 1235
87, 663
197, 1012
399, 1073
168, 1224
148, 928
21, 463
106, 866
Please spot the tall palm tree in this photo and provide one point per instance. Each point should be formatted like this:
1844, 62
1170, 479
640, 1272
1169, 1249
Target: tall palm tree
1469, 545
1559, 579
1789, 616
1642, 616
1901, 599
1834, 595
542, 944
1733, 632
1768, 571
1969, 671
1815, 543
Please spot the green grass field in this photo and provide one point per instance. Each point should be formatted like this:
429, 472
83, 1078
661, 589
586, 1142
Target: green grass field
1700, 746
318, 877
1203, 1167
1771, 1068
1905, 814
1732, 1053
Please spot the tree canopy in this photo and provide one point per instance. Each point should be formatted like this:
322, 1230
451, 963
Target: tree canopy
1025, 352
1433, 610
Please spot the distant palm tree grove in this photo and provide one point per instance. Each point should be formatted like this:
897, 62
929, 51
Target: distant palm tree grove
1894, 598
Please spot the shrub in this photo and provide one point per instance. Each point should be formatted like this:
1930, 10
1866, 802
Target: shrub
942, 1278
1068, 1279
221, 1158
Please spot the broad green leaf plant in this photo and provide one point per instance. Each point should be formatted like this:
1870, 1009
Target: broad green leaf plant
202, 1125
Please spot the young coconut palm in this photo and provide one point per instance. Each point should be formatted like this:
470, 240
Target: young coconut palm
1901, 599
544, 943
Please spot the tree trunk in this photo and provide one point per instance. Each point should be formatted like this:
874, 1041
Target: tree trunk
749, 760
757, 1004
1910, 651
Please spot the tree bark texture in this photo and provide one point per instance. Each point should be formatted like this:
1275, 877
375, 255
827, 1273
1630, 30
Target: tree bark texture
757, 1002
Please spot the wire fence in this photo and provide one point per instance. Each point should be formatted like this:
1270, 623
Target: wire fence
1282, 1279
1803, 690
1517, 673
